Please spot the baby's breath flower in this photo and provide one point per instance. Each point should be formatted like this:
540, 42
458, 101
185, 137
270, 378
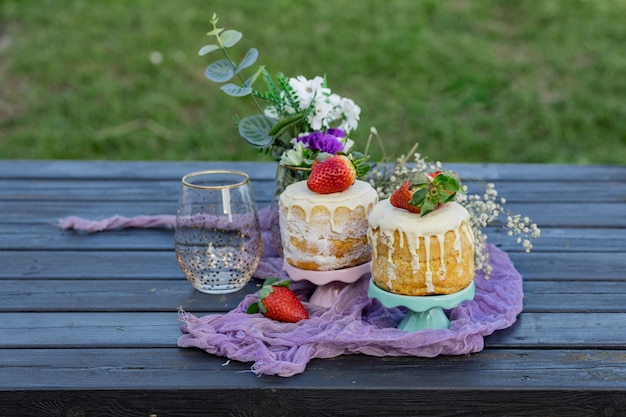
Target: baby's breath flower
484, 208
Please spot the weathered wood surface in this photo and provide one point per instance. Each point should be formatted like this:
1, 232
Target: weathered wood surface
88, 323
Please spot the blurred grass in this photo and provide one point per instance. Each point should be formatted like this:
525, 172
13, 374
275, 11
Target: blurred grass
475, 81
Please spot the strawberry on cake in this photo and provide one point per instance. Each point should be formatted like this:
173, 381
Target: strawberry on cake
421, 238
323, 220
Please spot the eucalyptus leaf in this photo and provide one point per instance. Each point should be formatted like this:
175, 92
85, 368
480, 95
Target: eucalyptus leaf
220, 71
248, 60
230, 37
235, 90
207, 49
252, 79
254, 130
215, 32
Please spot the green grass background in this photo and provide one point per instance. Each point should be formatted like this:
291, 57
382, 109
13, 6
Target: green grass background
475, 81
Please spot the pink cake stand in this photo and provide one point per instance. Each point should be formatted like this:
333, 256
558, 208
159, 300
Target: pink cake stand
329, 283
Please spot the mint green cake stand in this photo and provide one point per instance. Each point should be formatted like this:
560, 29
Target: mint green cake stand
425, 312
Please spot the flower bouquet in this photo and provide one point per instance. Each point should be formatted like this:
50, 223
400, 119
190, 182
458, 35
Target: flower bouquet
303, 120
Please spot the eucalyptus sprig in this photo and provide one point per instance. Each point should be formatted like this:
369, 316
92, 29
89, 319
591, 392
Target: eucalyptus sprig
294, 106
255, 129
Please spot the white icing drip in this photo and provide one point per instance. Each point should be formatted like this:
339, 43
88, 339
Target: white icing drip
457, 246
428, 275
360, 194
442, 264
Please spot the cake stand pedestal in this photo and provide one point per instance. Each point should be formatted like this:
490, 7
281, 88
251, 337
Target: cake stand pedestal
425, 312
329, 283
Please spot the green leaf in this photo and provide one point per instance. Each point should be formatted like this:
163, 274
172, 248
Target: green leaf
230, 37
418, 197
248, 60
207, 49
265, 291
285, 123
254, 130
256, 75
427, 207
220, 71
215, 32
235, 90
270, 281
284, 283
253, 308
418, 179
445, 197
447, 183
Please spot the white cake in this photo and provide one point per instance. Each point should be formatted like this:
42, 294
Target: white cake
324, 232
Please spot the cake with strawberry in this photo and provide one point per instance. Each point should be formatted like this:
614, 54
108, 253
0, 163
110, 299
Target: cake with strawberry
421, 238
323, 220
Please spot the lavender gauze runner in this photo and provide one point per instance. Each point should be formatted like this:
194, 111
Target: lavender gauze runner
354, 324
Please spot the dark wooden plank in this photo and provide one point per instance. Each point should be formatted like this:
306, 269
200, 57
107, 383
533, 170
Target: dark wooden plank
575, 296
177, 382
135, 263
168, 170
119, 295
167, 190
173, 368
137, 330
102, 190
164, 295
592, 266
545, 215
562, 330
37, 236
305, 402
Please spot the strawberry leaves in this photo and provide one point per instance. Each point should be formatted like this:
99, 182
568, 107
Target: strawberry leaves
427, 191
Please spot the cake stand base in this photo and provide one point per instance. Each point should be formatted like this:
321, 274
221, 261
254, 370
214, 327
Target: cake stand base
425, 312
329, 283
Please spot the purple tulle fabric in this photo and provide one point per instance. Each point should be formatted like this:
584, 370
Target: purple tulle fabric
354, 324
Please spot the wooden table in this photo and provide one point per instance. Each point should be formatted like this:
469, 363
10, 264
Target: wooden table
89, 324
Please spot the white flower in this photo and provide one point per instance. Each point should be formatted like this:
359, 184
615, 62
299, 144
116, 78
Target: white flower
308, 90
319, 118
350, 113
347, 144
293, 156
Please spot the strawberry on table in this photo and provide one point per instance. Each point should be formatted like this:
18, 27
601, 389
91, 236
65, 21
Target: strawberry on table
422, 193
336, 173
278, 302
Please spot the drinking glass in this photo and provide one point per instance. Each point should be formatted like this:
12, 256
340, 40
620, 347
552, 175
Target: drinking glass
218, 236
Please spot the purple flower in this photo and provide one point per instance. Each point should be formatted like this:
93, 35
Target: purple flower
336, 132
324, 142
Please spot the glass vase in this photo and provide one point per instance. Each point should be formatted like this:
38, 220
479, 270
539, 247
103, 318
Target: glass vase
285, 176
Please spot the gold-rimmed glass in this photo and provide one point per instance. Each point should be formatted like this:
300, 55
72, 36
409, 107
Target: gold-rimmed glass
218, 236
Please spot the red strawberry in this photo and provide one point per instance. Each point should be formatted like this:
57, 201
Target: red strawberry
423, 193
336, 173
278, 302
401, 197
